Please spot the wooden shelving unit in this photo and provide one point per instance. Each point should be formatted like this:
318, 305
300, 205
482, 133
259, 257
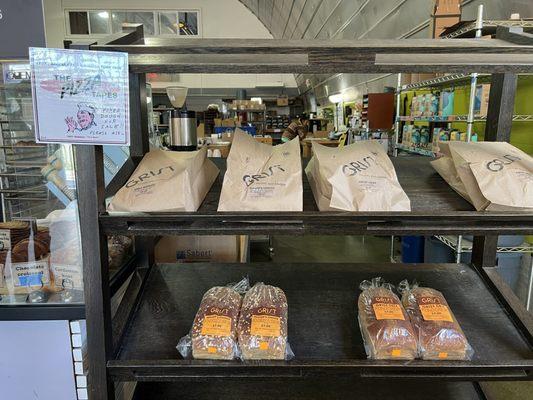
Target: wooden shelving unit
139, 343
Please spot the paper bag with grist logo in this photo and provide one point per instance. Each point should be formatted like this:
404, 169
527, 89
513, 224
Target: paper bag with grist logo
261, 177
167, 181
495, 175
358, 177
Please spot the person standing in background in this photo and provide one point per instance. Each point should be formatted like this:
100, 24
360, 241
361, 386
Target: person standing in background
297, 127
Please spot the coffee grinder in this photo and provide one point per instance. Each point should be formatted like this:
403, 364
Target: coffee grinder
182, 122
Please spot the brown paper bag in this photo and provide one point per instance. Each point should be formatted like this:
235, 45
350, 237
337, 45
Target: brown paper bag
261, 177
358, 177
497, 176
446, 169
167, 181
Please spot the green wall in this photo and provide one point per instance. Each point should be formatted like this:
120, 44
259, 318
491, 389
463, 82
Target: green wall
521, 133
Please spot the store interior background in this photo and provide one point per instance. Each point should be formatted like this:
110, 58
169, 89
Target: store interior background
309, 19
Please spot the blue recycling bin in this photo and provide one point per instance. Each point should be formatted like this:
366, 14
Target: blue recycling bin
412, 249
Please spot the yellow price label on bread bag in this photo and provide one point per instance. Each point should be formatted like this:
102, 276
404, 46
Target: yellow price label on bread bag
388, 311
435, 312
216, 325
265, 325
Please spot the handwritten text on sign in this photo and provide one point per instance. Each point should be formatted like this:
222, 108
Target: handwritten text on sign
80, 96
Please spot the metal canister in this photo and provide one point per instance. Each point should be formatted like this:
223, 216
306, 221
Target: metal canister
183, 130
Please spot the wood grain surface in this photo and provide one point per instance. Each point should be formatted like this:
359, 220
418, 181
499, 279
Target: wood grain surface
323, 330
436, 208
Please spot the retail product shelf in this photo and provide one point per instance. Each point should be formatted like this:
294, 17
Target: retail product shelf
461, 118
466, 246
468, 29
322, 299
415, 150
323, 330
446, 80
436, 209
309, 389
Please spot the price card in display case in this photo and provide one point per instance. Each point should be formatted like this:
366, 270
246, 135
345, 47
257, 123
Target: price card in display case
80, 96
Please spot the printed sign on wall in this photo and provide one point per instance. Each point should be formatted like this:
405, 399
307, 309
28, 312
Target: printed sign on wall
80, 96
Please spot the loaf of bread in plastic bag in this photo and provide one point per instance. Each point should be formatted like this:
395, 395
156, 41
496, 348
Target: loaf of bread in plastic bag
439, 335
262, 324
385, 326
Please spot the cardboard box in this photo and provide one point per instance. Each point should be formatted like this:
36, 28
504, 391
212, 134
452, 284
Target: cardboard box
440, 24
217, 121
321, 134
224, 149
447, 7
263, 139
171, 249
228, 123
282, 101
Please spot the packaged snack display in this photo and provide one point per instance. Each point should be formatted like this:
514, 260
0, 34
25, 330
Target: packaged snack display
262, 324
214, 331
358, 177
439, 335
167, 181
261, 177
385, 326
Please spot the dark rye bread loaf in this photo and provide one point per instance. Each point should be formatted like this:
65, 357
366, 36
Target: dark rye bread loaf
385, 326
214, 331
439, 335
262, 325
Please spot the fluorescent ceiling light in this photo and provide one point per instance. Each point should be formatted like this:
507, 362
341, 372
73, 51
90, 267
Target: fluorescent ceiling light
335, 98
103, 14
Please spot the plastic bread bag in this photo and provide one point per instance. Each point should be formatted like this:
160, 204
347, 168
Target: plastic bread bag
262, 324
214, 331
385, 326
439, 335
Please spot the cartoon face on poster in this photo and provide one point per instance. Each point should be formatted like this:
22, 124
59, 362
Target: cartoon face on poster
80, 97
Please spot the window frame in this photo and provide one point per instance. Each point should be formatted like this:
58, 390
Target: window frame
177, 11
156, 15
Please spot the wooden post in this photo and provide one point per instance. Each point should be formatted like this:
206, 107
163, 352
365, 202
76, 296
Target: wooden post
139, 138
90, 187
484, 251
501, 108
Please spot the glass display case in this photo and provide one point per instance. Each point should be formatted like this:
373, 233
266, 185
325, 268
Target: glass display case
40, 249
40, 256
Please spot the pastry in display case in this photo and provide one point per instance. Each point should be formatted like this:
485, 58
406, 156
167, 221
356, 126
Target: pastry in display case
40, 245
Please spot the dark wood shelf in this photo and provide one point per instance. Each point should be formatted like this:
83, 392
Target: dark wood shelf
323, 329
41, 312
168, 55
436, 209
308, 389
